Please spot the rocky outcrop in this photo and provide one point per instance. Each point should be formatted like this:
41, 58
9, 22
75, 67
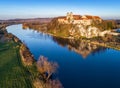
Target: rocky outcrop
88, 32
82, 27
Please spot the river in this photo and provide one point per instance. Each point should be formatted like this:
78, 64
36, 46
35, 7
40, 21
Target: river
81, 64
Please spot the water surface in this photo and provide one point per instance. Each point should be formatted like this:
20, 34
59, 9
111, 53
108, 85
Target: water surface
81, 64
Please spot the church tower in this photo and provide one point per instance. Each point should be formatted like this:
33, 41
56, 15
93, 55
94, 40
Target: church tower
68, 15
71, 16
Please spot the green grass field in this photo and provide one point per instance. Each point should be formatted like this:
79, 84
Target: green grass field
12, 72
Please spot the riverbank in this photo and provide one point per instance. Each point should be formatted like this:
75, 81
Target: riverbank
15, 72
97, 41
108, 45
33, 77
12, 71
25, 53
110, 41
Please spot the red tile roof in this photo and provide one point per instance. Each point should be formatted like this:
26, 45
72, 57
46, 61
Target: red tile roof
77, 17
89, 17
84, 18
96, 17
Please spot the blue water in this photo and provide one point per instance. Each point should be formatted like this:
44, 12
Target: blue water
100, 68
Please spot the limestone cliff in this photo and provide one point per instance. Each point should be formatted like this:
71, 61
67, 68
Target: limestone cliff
89, 29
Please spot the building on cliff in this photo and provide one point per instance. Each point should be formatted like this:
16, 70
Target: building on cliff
78, 19
86, 26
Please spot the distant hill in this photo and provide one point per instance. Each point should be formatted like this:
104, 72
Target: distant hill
40, 20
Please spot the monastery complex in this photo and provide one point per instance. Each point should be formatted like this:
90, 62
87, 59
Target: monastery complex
78, 19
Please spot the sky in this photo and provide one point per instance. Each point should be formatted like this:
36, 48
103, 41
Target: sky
12, 9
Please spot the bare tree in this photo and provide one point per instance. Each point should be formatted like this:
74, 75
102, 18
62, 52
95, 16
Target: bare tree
48, 84
44, 66
38, 83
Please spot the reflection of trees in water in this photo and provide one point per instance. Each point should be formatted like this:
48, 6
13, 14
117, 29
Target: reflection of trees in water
35, 26
46, 69
35, 29
99, 50
81, 47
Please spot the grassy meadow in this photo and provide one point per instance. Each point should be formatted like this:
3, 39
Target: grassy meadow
12, 72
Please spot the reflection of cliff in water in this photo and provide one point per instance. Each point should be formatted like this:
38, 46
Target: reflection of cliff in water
81, 47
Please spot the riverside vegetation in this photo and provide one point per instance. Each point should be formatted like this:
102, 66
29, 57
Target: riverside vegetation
57, 29
18, 69
109, 37
13, 73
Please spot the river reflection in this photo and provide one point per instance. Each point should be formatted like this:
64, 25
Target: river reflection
81, 47
100, 69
